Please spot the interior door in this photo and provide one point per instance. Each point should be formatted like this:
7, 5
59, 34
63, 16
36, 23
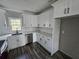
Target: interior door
69, 37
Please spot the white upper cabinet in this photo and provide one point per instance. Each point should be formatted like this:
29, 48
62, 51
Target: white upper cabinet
64, 8
74, 7
29, 20
33, 20
26, 20
59, 9
41, 21
45, 17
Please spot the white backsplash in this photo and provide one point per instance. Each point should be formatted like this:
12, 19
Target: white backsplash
46, 30
26, 30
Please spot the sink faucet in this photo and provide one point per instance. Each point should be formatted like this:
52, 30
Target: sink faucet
17, 32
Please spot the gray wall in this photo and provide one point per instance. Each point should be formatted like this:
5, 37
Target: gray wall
3, 27
69, 39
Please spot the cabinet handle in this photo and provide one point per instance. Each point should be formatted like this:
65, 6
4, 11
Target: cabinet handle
40, 38
43, 24
65, 11
68, 9
31, 24
38, 25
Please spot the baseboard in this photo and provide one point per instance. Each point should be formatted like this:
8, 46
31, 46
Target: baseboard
29, 43
67, 55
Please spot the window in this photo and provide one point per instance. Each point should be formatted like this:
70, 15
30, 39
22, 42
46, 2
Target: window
15, 24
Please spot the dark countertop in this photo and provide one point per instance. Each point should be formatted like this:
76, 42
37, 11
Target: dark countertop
17, 34
4, 34
1, 43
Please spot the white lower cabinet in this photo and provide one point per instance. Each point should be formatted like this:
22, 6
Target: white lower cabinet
16, 41
39, 39
12, 43
45, 42
50, 42
22, 40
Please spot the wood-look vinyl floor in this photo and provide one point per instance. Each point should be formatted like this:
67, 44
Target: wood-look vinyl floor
31, 51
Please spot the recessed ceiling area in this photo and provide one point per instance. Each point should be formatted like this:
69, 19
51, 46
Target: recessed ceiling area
29, 5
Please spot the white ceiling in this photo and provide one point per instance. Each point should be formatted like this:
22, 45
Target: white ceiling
30, 5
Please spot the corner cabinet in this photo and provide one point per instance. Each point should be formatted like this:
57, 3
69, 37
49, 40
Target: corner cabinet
64, 8
50, 42
45, 41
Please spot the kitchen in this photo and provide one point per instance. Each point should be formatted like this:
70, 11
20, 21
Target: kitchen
29, 30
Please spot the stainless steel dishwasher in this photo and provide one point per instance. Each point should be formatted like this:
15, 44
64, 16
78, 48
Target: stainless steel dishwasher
30, 38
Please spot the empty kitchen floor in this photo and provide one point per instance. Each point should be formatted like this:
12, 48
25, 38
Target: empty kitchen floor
33, 51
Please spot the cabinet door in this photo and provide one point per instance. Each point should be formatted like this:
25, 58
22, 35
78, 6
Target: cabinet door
12, 42
33, 20
59, 9
74, 7
34, 37
49, 44
30, 20
38, 38
41, 39
26, 20
21, 40
40, 21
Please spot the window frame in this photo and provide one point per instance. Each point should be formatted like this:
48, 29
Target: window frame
14, 19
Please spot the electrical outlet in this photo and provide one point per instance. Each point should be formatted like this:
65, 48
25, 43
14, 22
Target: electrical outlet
62, 31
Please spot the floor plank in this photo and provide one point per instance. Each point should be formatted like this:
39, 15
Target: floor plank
32, 51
